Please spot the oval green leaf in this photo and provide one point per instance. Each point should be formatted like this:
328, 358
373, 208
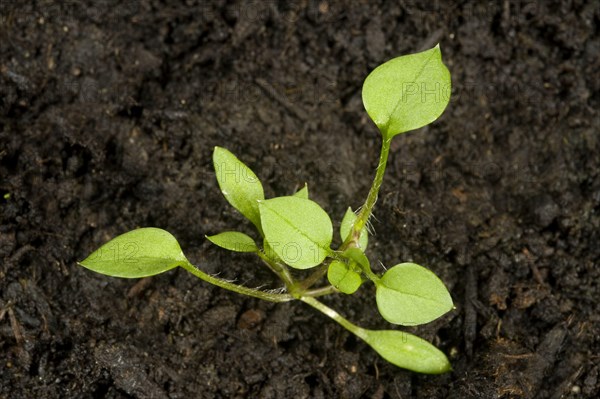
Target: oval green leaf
407, 351
346, 227
409, 295
343, 278
407, 92
234, 241
239, 184
139, 253
298, 230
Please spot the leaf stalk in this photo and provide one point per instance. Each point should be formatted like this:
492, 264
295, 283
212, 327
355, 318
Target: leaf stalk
367, 209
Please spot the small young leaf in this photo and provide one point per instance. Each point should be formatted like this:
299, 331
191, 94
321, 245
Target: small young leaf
358, 256
138, 253
343, 278
239, 184
407, 351
298, 230
234, 241
346, 227
303, 192
409, 295
407, 92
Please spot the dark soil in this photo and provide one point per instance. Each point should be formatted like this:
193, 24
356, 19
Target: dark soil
109, 114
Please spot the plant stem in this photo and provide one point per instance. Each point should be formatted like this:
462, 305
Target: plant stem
362, 218
280, 270
321, 307
325, 290
267, 296
315, 276
370, 275
367, 208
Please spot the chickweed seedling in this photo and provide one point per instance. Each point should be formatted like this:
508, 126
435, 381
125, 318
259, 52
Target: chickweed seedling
400, 95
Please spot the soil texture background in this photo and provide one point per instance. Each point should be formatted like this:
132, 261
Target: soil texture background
109, 111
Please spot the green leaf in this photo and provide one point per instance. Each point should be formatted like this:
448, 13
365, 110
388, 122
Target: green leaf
409, 294
298, 230
407, 92
397, 347
239, 184
303, 192
138, 253
342, 277
346, 227
407, 351
234, 241
358, 256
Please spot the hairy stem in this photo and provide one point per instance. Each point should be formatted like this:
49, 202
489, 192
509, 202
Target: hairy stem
267, 296
280, 270
367, 208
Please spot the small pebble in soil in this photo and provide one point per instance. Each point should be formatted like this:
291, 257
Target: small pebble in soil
545, 210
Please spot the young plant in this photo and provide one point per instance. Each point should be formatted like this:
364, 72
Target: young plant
295, 233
